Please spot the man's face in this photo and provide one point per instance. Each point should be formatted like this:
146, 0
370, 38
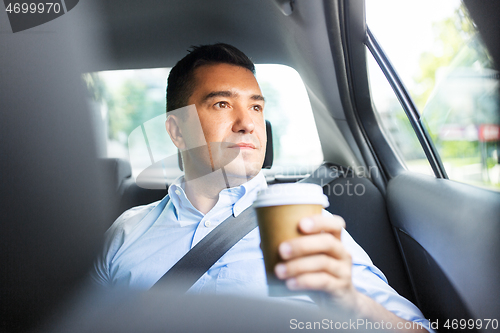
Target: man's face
230, 109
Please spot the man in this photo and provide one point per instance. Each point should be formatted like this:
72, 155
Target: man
215, 118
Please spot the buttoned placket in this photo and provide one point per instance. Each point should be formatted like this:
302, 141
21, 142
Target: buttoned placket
206, 225
209, 221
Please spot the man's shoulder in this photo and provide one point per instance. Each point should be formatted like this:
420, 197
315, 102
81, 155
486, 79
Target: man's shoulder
131, 217
125, 226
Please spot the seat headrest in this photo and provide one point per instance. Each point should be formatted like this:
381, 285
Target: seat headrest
268, 160
117, 168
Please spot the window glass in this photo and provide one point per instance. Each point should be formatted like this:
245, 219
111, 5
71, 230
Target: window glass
395, 124
132, 105
443, 62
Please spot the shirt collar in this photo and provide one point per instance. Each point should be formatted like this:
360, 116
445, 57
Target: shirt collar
236, 198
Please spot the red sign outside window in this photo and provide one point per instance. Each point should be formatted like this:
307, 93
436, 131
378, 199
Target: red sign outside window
489, 132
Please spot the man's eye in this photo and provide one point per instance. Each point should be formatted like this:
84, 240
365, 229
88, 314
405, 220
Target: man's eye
222, 105
257, 108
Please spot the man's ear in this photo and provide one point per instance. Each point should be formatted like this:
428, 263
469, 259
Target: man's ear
174, 131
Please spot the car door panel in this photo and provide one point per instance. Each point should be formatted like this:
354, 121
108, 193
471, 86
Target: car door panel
448, 234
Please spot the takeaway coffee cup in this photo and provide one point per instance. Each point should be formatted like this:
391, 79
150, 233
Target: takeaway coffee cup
279, 210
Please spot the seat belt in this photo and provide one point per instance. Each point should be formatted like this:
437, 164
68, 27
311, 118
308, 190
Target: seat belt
211, 248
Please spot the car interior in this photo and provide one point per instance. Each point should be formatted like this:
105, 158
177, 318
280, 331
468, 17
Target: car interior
435, 238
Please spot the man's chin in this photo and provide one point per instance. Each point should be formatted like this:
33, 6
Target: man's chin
244, 167
238, 177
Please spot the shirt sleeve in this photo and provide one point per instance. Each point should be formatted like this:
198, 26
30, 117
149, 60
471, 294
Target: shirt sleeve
370, 280
100, 273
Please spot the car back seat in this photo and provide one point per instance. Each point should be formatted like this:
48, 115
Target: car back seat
363, 208
125, 193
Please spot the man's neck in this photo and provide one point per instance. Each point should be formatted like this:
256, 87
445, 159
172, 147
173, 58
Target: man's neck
202, 195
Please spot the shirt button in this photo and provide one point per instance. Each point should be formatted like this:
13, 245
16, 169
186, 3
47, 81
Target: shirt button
177, 192
237, 209
207, 223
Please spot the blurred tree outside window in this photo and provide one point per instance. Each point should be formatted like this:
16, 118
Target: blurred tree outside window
451, 77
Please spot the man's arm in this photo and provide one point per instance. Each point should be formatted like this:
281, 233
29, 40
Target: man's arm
119, 233
319, 261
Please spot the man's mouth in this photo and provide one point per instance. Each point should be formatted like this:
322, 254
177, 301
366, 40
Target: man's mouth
243, 145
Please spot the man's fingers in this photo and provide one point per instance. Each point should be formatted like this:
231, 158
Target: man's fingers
317, 260
310, 264
319, 223
324, 243
320, 281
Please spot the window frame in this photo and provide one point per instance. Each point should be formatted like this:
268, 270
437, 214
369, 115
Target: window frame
407, 104
357, 41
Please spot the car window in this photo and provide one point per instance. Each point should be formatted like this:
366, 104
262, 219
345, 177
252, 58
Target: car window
395, 124
450, 76
132, 105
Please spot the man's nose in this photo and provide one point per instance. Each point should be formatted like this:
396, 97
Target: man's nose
243, 121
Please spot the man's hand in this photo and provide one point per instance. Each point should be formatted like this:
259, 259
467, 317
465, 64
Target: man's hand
318, 260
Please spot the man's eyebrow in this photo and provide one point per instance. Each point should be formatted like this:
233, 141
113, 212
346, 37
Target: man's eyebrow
258, 98
228, 93
223, 93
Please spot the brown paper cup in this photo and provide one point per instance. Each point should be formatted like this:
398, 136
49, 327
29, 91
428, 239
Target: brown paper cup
280, 222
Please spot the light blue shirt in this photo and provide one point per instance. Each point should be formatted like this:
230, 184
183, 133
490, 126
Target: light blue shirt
146, 241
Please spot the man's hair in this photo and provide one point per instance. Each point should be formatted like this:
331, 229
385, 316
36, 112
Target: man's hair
181, 80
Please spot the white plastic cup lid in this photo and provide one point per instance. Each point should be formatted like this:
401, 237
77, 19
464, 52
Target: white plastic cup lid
291, 194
